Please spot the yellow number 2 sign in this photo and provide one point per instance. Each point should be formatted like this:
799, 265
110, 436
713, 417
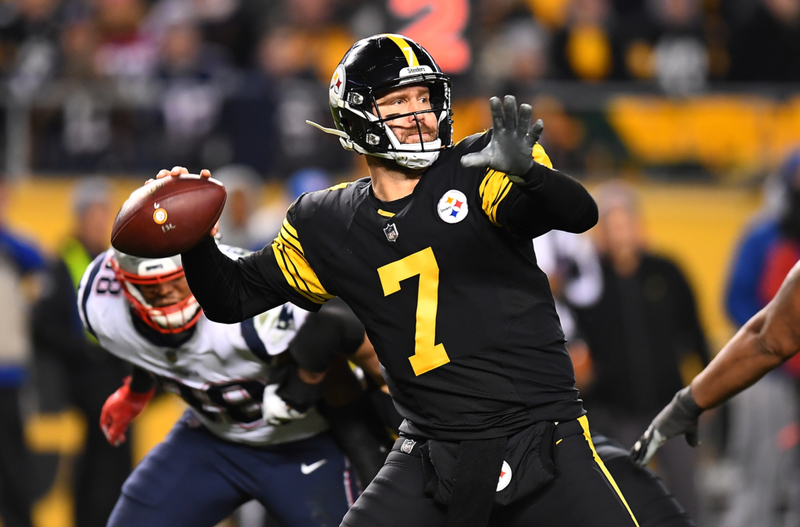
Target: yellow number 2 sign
427, 354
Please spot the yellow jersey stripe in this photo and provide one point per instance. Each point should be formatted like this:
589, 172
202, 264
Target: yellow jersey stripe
495, 185
291, 273
493, 189
296, 269
289, 234
385, 213
584, 421
540, 156
406, 48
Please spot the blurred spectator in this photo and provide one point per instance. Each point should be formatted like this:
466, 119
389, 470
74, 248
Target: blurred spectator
230, 24
124, 52
514, 57
20, 263
244, 197
196, 78
30, 36
572, 266
268, 219
587, 48
763, 436
89, 373
642, 333
766, 46
278, 97
679, 49
564, 136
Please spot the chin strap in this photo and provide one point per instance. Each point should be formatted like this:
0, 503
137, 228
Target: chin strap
405, 158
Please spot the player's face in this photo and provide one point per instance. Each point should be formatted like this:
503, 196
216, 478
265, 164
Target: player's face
166, 293
406, 100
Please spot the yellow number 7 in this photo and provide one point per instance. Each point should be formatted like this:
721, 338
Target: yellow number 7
427, 354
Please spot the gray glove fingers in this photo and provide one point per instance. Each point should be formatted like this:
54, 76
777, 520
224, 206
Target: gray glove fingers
646, 447
524, 122
497, 113
510, 112
536, 131
477, 159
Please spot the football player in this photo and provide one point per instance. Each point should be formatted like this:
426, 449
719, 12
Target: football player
221, 453
433, 254
767, 340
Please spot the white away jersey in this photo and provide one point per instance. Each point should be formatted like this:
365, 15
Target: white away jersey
220, 371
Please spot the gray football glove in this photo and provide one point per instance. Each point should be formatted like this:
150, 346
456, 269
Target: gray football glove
678, 417
510, 149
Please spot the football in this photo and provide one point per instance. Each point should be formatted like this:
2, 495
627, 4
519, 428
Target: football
168, 216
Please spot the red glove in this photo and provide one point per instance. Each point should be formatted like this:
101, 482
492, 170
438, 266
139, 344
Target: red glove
120, 409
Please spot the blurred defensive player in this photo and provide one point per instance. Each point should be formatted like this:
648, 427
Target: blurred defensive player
221, 453
766, 341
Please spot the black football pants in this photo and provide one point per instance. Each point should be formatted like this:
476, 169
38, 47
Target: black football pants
581, 495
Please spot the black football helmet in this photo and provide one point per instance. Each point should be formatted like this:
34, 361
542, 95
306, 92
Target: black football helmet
372, 67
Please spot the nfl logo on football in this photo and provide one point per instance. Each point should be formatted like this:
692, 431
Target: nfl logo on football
391, 232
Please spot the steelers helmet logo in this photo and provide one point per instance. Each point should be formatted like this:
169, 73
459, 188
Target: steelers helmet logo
453, 206
337, 86
505, 476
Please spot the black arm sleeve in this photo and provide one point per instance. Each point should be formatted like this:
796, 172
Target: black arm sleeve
325, 335
548, 200
229, 290
141, 380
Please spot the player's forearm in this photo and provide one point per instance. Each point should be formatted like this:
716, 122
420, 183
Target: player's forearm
228, 290
551, 200
742, 362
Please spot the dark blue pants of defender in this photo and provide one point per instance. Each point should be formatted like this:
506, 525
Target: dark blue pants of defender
196, 479
581, 495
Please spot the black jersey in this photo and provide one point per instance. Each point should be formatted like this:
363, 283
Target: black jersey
460, 315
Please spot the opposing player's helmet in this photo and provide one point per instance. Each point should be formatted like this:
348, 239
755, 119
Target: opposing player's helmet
372, 67
132, 271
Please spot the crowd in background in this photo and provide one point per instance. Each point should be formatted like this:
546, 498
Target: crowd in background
129, 85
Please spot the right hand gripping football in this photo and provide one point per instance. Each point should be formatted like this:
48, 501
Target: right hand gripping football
680, 416
511, 147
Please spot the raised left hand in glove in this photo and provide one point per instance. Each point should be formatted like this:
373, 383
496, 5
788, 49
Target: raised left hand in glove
511, 146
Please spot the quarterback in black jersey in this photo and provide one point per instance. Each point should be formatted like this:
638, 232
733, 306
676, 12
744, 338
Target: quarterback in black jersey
433, 254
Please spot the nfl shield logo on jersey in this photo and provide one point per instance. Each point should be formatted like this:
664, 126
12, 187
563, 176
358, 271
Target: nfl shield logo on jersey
391, 232
453, 206
407, 446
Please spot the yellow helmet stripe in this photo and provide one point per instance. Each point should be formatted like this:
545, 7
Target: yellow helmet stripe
408, 51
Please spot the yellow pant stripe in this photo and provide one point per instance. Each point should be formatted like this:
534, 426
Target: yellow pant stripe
585, 425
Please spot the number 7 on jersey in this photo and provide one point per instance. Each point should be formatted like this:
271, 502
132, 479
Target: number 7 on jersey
427, 354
